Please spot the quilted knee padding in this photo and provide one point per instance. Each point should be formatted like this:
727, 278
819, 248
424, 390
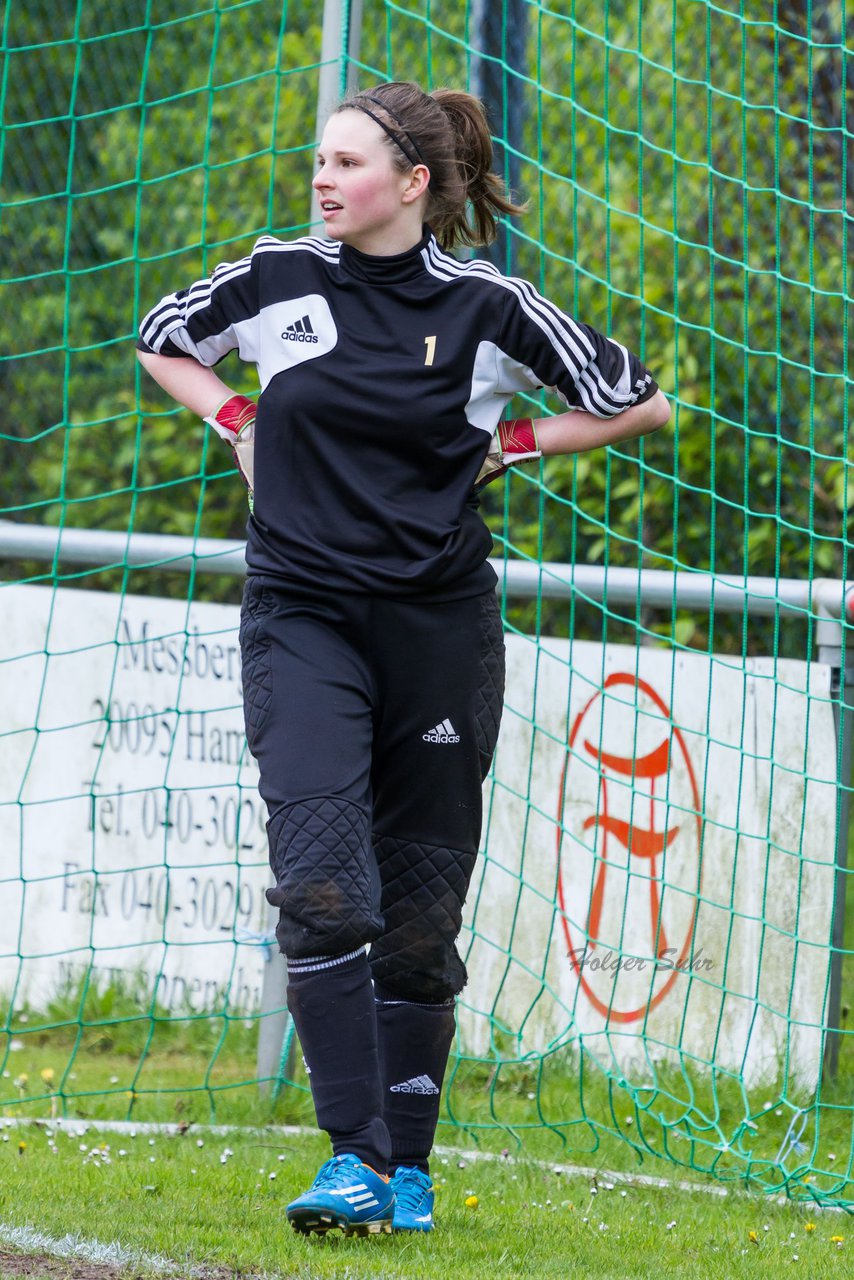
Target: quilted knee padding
424, 888
327, 884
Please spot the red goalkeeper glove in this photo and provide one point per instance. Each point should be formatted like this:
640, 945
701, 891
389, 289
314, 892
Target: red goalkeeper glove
234, 420
514, 441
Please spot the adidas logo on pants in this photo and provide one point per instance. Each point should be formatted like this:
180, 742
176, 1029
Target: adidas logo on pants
443, 732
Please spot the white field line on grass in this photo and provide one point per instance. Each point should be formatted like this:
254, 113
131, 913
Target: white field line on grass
600, 1176
28, 1240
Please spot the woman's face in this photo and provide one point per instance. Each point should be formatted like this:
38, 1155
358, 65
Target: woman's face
364, 200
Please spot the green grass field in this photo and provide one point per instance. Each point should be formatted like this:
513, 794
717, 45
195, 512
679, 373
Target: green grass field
199, 1198
208, 1205
202, 1199
557, 1109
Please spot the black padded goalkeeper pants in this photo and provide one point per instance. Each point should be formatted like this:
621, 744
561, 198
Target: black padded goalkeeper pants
373, 722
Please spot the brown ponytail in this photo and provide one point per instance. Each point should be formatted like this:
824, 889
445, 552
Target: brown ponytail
447, 131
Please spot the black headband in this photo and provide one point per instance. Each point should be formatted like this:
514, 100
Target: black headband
413, 160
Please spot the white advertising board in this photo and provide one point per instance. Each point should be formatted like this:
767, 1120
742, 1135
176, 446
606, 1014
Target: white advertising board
132, 836
659, 835
680, 812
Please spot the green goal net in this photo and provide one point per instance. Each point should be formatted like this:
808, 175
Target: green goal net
656, 930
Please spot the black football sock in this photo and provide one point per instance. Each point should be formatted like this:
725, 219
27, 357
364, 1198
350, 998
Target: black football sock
331, 1000
414, 1043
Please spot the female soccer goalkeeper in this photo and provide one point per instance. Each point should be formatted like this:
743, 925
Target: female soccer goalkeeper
371, 637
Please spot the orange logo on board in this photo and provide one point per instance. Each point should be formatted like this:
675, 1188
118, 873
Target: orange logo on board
629, 850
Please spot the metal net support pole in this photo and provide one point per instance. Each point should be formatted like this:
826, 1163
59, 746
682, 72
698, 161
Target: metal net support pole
831, 650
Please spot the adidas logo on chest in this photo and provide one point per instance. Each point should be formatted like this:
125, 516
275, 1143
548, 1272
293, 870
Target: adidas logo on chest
293, 332
300, 331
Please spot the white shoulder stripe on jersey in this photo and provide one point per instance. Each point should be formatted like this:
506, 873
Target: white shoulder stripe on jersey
557, 326
199, 294
271, 245
564, 326
557, 335
267, 244
330, 249
222, 272
170, 315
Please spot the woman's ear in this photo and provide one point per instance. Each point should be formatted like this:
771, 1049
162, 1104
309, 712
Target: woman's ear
419, 181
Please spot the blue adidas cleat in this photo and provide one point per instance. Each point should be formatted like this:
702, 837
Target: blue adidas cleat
345, 1194
413, 1196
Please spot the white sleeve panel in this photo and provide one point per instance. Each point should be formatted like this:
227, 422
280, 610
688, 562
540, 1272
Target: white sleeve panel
210, 318
496, 378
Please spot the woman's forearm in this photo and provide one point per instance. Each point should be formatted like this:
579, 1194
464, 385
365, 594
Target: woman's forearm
577, 431
192, 384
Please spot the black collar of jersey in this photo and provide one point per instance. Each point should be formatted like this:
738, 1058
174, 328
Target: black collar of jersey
382, 269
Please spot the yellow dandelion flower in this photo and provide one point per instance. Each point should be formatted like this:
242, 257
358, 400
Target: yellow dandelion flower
836, 1239
753, 1237
809, 1226
471, 1203
46, 1074
22, 1146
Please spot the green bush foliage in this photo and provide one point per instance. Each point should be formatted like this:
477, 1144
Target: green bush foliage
687, 172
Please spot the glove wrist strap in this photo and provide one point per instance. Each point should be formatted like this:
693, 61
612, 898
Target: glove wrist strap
233, 415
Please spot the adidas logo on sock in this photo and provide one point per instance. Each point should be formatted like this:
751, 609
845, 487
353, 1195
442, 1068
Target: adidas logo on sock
300, 331
418, 1084
444, 732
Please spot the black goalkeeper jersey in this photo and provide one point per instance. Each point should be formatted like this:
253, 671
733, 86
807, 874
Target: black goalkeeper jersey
383, 380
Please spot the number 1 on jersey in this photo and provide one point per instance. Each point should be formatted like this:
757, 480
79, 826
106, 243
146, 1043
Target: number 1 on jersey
431, 349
